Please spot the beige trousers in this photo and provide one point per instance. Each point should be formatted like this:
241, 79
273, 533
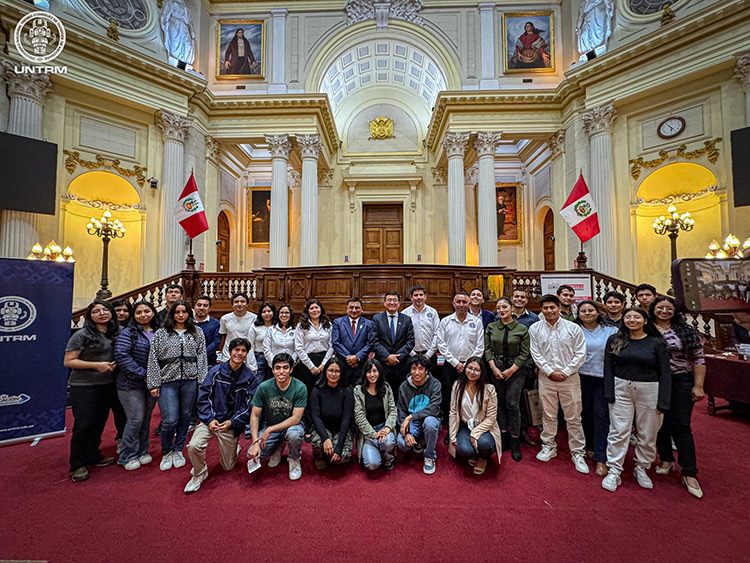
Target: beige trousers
633, 399
566, 394
197, 449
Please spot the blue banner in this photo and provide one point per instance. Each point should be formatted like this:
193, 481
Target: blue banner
36, 299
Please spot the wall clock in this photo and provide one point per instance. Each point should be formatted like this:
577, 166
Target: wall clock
670, 127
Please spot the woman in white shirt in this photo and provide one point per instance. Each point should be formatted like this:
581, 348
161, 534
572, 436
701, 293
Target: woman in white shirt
472, 424
280, 337
257, 336
237, 324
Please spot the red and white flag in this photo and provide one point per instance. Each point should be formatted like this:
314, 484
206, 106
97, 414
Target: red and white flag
580, 212
189, 210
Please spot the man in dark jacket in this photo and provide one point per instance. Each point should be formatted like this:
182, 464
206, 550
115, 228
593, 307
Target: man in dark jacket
392, 340
224, 411
419, 412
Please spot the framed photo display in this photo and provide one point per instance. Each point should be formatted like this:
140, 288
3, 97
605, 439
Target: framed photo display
509, 212
529, 41
240, 49
259, 216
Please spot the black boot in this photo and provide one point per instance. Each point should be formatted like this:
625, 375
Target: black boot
515, 449
505, 440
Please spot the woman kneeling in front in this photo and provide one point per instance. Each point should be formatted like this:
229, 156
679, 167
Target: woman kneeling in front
473, 429
375, 416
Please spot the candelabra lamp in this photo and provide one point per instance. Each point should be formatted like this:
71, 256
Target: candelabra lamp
106, 229
51, 252
672, 225
730, 249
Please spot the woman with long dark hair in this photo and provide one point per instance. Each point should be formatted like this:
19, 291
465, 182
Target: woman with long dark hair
472, 424
90, 355
688, 367
177, 363
123, 312
257, 335
375, 416
637, 384
132, 347
280, 337
332, 408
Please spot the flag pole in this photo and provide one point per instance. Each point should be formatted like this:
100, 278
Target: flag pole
190, 260
582, 258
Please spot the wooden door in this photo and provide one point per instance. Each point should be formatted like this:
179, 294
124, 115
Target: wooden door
382, 233
222, 249
549, 241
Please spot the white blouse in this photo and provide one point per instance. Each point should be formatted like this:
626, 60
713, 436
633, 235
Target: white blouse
469, 410
238, 327
277, 341
312, 340
257, 336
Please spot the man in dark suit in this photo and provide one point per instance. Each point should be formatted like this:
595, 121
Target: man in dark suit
350, 340
392, 339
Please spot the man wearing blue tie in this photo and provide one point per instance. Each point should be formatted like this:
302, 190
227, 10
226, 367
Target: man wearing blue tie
350, 340
392, 340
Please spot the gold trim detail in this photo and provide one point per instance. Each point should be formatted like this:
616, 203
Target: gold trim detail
540, 13
112, 31
74, 160
709, 149
519, 213
635, 170
99, 204
381, 128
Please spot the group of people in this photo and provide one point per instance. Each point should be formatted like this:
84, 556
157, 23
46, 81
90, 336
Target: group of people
354, 386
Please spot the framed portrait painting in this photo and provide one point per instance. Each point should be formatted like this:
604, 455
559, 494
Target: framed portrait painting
509, 211
529, 40
259, 215
240, 49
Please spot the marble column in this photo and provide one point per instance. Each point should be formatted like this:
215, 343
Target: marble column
27, 93
489, 80
175, 131
558, 190
278, 76
742, 73
486, 144
455, 146
599, 123
309, 146
280, 148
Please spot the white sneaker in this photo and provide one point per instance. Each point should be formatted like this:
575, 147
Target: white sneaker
275, 458
429, 466
178, 459
580, 462
546, 454
295, 469
166, 462
132, 465
145, 458
643, 479
194, 484
611, 481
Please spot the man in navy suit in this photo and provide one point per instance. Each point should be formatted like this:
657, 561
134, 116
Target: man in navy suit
350, 340
392, 340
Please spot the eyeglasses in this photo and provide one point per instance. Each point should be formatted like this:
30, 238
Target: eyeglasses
473, 370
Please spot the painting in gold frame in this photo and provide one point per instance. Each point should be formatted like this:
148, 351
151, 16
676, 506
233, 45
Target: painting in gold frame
259, 216
529, 41
240, 49
509, 212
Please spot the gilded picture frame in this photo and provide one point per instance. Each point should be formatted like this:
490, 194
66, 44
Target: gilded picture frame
245, 61
529, 48
509, 213
259, 216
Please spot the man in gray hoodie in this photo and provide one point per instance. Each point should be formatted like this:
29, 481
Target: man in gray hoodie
419, 412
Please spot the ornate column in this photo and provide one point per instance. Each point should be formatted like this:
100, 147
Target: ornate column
175, 131
454, 146
27, 93
598, 123
309, 146
557, 191
278, 78
211, 202
486, 144
742, 73
280, 147
487, 33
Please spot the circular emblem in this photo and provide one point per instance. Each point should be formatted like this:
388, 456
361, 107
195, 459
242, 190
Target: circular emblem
190, 204
582, 208
39, 37
16, 313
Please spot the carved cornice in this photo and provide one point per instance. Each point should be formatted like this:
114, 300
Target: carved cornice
309, 146
382, 10
709, 150
455, 144
74, 160
677, 198
742, 70
99, 204
556, 144
599, 119
173, 127
35, 87
279, 146
213, 149
325, 178
486, 143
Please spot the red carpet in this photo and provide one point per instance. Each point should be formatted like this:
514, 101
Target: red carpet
527, 511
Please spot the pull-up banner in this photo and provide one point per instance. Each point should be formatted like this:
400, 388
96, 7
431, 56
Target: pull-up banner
36, 299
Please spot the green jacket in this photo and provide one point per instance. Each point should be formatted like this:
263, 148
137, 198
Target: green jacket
518, 342
364, 428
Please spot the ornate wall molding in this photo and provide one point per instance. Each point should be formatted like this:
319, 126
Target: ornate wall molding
382, 10
213, 149
173, 127
742, 70
325, 178
309, 146
279, 146
36, 87
677, 198
556, 144
471, 177
600, 119
439, 176
709, 149
99, 204
455, 144
293, 178
486, 143
74, 160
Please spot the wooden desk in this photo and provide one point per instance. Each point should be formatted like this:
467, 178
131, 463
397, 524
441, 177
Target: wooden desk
727, 377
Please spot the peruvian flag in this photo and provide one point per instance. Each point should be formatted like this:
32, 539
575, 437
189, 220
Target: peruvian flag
189, 210
580, 212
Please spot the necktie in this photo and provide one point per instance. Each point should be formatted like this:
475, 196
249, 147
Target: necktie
354, 327
393, 327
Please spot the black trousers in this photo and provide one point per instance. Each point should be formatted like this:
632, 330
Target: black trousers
91, 405
508, 402
395, 376
303, 373
676, 426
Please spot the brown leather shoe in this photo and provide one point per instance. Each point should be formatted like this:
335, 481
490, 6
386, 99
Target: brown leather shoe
601, 469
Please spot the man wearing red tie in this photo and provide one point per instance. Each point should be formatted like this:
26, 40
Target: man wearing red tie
350, 340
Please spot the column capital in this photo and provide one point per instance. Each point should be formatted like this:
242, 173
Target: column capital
279, 146
310, 146
293, 178
173, 127
455, 144
486, 6
600, 119
742, 70
35, 87
279, 12
556, 144
487, 142
471, 176
213, 149
439, 176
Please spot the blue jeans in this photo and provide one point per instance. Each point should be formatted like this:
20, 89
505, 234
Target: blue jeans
464, 449
263, 371
424, 431
293, 436
374, 452
138, 405
595, 416
176, 400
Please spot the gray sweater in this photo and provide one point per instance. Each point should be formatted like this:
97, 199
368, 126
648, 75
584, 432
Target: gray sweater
419, 402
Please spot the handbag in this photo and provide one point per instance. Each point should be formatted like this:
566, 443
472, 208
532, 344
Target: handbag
533, 406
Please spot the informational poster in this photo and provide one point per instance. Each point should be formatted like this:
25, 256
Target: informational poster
35, 303
581, 284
